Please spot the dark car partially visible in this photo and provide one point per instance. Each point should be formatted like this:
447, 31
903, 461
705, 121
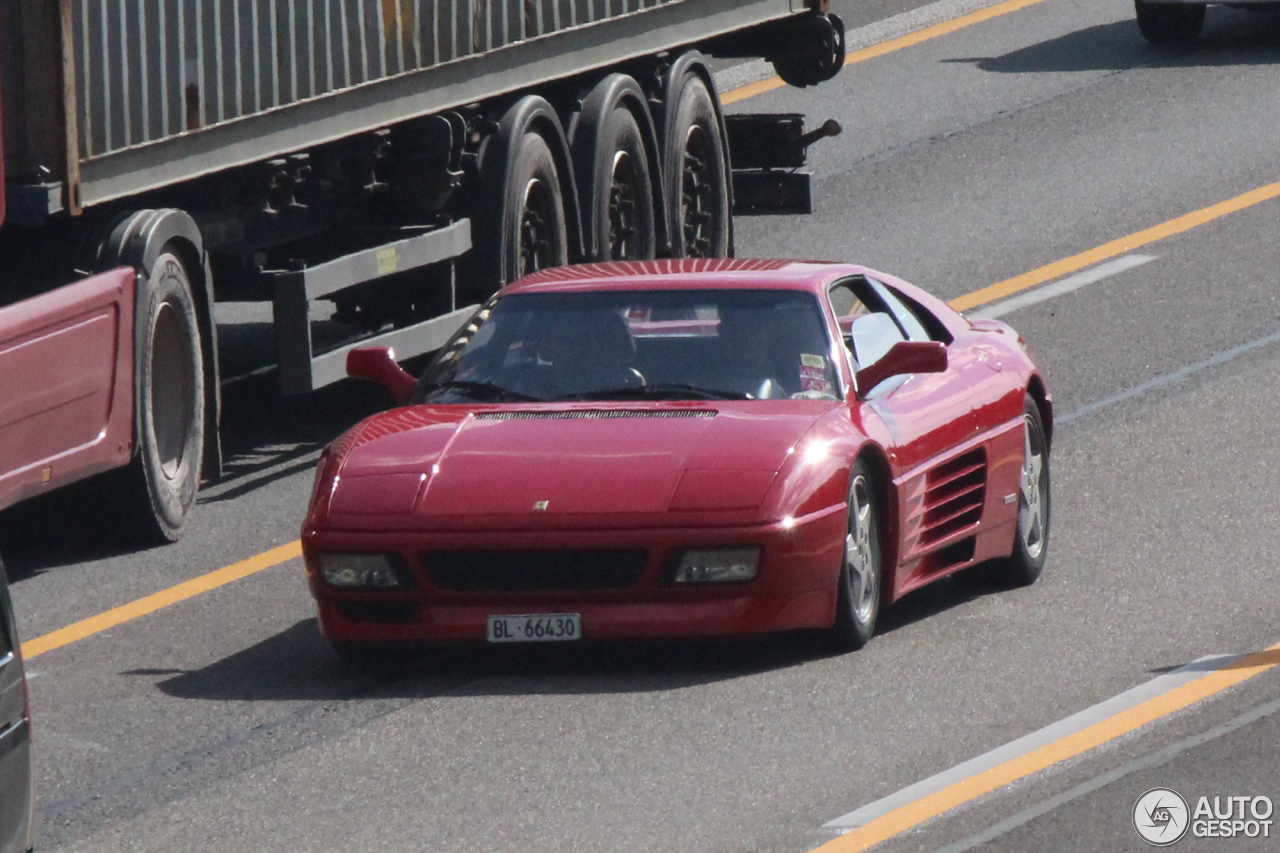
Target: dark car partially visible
15, 735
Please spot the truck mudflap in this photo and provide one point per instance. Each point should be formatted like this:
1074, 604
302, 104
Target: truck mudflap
301, 367
768, 153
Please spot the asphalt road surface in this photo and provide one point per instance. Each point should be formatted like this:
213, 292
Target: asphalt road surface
223, 722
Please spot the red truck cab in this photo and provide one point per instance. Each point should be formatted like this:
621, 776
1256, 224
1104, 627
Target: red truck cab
66, 370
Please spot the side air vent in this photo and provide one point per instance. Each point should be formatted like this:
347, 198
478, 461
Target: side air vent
595, 414
954, 494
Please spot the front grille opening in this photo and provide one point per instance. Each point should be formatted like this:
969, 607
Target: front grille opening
378, 611
533, 570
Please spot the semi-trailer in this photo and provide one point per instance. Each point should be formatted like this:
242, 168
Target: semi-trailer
392, 161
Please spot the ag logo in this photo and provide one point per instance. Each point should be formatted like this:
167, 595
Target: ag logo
1161, 816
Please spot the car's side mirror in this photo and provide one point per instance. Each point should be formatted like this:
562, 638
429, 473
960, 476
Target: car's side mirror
903, 357
378, 364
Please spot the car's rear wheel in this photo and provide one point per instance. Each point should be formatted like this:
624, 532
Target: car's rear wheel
861, 574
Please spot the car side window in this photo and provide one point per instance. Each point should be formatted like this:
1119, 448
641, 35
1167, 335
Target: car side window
905, 317
873, 335
866, 323
912, 316
844, 302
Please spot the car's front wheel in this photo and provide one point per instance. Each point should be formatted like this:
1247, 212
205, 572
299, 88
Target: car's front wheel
861, 575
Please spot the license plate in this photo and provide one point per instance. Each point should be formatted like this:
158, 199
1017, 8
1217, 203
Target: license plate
535, 628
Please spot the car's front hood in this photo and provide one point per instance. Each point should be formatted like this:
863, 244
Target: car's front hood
537, 466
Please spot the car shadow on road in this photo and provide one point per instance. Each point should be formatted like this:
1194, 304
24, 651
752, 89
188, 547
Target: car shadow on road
932, 600
298, 664
1230, 37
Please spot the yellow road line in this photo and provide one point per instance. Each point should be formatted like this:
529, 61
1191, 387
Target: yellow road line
1196, 218
151, 603
752, 89
913, 814
871, 52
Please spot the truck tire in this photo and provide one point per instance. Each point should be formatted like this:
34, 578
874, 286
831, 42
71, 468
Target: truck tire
162, 480
540, 239
615, 162
816, 51
696, 171
526, 203
1169, 23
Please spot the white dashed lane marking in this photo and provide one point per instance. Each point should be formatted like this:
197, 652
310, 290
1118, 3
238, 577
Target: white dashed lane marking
1066, 285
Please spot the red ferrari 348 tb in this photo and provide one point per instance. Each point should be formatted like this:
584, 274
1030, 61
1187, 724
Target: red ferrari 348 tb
682, 449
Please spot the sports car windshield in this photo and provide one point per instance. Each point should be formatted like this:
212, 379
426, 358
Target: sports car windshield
636, 345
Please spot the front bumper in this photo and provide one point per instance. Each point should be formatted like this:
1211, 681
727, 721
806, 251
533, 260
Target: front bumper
795, 586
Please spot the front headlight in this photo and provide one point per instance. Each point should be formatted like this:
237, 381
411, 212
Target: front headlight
717, 565
375, 571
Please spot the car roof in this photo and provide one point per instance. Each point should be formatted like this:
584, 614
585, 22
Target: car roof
698, 273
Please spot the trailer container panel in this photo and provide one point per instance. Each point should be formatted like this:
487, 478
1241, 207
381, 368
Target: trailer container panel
164, 93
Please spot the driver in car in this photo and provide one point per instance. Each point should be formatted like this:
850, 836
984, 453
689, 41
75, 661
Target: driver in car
586, 352
761, 354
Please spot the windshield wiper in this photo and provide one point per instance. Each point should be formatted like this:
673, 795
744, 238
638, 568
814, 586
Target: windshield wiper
658, 391
483, 391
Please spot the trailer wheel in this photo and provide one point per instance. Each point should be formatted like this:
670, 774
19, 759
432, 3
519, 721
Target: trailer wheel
520, 226
536, 207
696, 172
614, 154
165, 472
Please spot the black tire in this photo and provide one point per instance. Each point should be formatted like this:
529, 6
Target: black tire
862, 569
617, 190
1031, 540
1031, 535
1169, 23
162, 480
695, 172
528, 232
818, 51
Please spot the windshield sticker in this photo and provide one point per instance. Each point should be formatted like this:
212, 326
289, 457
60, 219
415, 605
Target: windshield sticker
813, 376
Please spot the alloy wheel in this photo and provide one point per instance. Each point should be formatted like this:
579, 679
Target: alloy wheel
861, 554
